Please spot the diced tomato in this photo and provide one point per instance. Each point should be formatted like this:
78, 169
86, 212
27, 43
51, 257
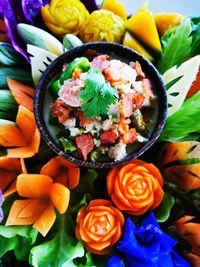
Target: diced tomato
127, 105
85, 143
138, 100
108, 137
146, 85
83, 121
138, 69
76, 73
100, 62
62, 113
130, 136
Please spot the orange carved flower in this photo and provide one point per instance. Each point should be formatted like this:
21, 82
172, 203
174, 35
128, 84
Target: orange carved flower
99, 226
135, 187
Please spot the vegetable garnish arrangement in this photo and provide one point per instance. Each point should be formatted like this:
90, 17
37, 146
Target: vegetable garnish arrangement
142, 213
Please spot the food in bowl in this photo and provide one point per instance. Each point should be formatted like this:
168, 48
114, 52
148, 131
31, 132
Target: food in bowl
105, 107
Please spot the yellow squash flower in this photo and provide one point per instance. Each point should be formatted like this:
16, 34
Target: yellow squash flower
102, 25
64, 16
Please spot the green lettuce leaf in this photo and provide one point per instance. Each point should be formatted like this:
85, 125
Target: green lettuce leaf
162, 212
17, 238
195, 48
9, 56
176, 46
184, 122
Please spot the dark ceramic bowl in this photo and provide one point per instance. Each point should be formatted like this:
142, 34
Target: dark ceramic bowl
42, 99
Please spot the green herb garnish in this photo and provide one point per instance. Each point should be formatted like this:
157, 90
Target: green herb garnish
98, 95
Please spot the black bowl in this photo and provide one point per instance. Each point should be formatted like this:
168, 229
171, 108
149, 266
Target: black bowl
125, 54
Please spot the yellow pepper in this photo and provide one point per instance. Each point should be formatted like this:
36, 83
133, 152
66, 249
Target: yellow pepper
103, 25
64, 16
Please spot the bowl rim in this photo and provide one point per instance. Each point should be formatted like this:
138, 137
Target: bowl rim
49, 140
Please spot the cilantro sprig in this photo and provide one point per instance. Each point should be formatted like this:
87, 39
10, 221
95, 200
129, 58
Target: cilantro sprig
97, 95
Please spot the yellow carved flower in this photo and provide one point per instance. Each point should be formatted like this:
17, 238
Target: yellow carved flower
102, 25
64, 16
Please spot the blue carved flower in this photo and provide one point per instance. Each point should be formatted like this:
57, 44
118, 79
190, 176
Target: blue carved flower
146, 246
1, 201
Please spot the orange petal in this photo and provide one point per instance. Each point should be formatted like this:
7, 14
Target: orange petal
26, 151
24, 170
26, 122
158, 196
111, 179
25, 212
10, 164
155, 172
34, 185
51, 168
11, 135
60, 196
23, 94
73, 177
6, 177
11, 189
65, 162
46, 220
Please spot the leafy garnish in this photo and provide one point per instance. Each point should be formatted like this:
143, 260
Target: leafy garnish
97, 95
162, 212
183, 122
195, 48
176, 46
15, 238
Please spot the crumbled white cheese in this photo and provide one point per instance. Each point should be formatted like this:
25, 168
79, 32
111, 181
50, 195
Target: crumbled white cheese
107, 124
117, 152
74, 131
70, 123
97, 142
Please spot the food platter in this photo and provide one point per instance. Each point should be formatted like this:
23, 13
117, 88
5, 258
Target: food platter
59, 208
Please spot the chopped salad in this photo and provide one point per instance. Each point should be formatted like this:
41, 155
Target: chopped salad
105, 106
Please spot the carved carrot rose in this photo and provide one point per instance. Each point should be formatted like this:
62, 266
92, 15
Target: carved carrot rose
99, 226
135, 187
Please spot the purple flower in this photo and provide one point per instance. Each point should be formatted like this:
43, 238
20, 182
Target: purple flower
1, 201
146, 246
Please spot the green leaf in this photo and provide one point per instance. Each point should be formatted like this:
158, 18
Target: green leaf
9, 56
183, 122
162, 213
176, 46
61, 250
97, 95
17, 238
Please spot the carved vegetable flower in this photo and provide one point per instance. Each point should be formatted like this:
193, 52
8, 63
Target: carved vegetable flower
99, 226
146, 246
135, 187
102, 25
64, 16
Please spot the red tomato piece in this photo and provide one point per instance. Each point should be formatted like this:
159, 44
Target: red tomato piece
85, 143
83, 121
108, 137
130, 136
138, 100
62, 113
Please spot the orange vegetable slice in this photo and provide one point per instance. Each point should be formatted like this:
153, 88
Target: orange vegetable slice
46, 220
23, 137
115, 7
73, 177
60, 196
23, 94
11, 135
195, 86
25, 212
34, 185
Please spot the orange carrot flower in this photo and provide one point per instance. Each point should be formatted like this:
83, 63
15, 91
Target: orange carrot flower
9, 170
22, 139
135, 187
99, 226
190, 231
43, 193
